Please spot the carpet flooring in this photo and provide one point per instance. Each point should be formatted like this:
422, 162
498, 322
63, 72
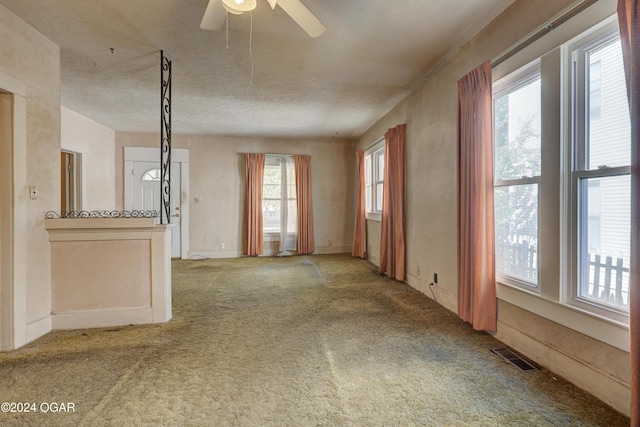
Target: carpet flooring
302, 341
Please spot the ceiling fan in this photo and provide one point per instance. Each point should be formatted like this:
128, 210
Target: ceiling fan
215, 15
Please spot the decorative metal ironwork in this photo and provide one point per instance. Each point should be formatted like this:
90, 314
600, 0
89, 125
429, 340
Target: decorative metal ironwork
165, 139
101, 214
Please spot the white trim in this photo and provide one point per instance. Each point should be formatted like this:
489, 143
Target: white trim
333, 250
602, 329
102, 318
199, 255
13, 85
13, 223
80, 154
443, 297
38, 327
144, 154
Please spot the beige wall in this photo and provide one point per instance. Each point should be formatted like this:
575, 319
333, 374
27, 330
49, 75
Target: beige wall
430, 113
216, 175
28, 56
96, 145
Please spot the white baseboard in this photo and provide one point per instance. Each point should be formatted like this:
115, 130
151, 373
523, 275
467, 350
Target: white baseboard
195, 255
606, 388
321, 250
443, 297
38, 327
374, 259
267, 252
102, 318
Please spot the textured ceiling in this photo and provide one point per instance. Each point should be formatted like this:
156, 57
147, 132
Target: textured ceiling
372, 54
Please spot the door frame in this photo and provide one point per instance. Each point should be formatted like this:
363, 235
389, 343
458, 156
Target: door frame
178, 155
13, 220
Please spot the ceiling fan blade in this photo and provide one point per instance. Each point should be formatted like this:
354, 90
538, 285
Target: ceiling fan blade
272, 3
214, 16
303, 17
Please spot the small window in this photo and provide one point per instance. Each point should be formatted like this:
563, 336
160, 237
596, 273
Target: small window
374, 181
151, 175
378, 179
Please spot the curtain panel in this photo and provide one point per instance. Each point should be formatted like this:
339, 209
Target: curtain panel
392, 239
289, 214
252, 239
360, 227
305, 207
629, 21
476, 257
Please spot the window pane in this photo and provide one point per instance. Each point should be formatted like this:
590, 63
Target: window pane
271, 191
367, 180
272, 174
379, 197
367, 170
608, 122
271, 216
292, 217
517, 132
605, 243
516, 213
380, 166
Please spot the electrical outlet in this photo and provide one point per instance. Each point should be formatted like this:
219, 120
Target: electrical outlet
435, 277
418, 271
221, 245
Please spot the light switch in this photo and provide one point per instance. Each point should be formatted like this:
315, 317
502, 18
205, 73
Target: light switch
33, 192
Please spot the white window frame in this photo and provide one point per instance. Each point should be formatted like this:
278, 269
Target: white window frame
272, 160
506, 85
578, 170
374, 177
553, 302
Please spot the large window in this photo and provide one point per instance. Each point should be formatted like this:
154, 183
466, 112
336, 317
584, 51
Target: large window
562, 177
517, 121
600, 180
374, 180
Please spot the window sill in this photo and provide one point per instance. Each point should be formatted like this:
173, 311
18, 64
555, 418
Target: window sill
601, 328
373, 216
271, 237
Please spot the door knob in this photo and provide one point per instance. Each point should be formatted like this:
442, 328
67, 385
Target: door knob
176, 215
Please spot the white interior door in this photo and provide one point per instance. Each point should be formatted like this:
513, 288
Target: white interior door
146, 196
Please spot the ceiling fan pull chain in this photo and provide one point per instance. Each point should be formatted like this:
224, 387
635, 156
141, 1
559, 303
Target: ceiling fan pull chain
250, 50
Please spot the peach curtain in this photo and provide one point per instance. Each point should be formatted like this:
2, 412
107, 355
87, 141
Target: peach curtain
629, 21
305, 206
359, 227
476, 257
392, 239
252, 242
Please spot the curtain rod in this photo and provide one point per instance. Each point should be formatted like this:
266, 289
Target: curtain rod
554, 23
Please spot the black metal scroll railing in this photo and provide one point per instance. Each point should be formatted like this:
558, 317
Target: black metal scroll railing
165, 139
101, 214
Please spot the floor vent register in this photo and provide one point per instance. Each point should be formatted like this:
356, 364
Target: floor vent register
510, 357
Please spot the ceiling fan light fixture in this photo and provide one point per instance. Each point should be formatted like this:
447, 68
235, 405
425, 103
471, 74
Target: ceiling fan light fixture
232, 10
239, 6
